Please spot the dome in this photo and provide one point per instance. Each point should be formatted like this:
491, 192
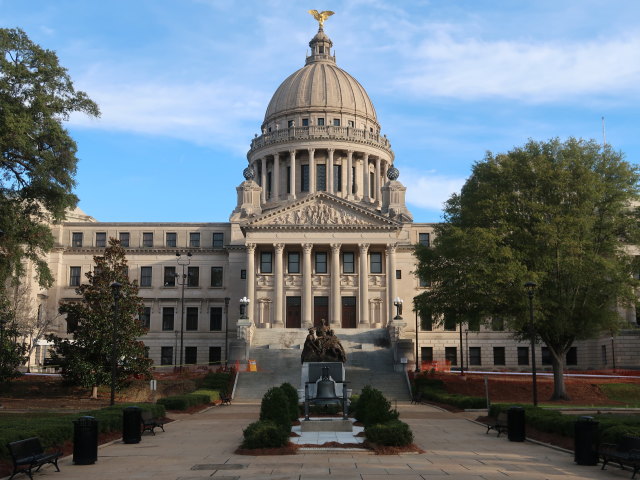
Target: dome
321, 87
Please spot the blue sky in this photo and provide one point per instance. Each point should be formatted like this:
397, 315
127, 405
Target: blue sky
183, 87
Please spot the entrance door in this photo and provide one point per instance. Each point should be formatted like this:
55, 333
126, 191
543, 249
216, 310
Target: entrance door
320, 310
349, 312
293, 312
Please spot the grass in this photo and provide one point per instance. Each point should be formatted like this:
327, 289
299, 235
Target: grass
628, 393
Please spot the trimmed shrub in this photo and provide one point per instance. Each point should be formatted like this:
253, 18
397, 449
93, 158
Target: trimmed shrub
394, 433
422, 383
275, 407
183, 402
373, 407
217, 381
615, 433
292, 396
264, 434
214, 395
460, 401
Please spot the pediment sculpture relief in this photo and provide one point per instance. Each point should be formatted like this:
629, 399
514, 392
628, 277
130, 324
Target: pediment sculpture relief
317, 214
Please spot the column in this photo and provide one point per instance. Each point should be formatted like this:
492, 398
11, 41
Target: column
364, 285
365, 178
343, 185
292, 184
391, 281
251, 278
279, 285
275, 183
336, 319
349, 175
330, 188
377, 194
263, 179
307, 295
312, 170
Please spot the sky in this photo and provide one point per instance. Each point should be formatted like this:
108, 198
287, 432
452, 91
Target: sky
183, 87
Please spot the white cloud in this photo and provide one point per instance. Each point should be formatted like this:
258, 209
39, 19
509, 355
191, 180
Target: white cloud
431, 190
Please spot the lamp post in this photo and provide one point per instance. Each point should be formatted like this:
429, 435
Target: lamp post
244, 303
531, 290
417, 358
398, 303
183, 263
226, 332
115, 292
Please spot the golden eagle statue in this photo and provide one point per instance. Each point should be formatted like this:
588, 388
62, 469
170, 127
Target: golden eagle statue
321, 16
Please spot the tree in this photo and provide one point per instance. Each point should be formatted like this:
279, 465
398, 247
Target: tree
12, 353
561, 214
38, 157
86, 359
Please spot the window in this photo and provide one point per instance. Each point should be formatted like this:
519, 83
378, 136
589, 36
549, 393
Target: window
147, 239
321, 177
498, 356
423, 239
426, 322
423, 282
372, 184
194, 239
76, 239
218, 240
167, 318
337, 178
72, 324
348, 262
74, 276
336, 122
166, 355
171, 239
288, 179
193, 276
375, 260
265, 262
190, 355
145, 276
546, 356
289, 123
192, 318
321, 122
451, 355
145, 317
215, 319
475, 356
305, 122
351, 123
449, 324
497, 324
215, 355
523, 355
304, 178
124, 239
353, 180
101, 239
426, 354
293, 262
169, 276
398, 274
321, 262
243, 274
572, 356
216, 276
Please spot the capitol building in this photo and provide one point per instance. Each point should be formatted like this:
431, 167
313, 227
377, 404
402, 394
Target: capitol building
321, 230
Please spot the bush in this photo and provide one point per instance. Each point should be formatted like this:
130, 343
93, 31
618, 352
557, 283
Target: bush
421, 383
373, 407
275, 407
460, 401
214, 395
217, 381
615, 433
394, 433
183, 402
292, 396
265, 434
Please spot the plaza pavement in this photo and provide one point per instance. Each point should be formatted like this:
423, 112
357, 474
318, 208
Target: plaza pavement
202, 446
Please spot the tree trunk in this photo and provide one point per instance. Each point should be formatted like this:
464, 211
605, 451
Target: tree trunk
94, 392
559, 391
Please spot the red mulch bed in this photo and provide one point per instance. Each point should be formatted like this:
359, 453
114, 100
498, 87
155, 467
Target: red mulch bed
290, 449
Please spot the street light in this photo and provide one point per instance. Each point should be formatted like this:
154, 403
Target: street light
531, 290
244, 303
115, 292
226, 332
417, 358
398, 303
183, 263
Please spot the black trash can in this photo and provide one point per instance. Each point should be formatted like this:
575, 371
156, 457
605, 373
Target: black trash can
515, 424
85, 441
131, 424
585, 435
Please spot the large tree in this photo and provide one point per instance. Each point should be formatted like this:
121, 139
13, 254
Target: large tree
87, 358
560, 214
12, 352
38, 157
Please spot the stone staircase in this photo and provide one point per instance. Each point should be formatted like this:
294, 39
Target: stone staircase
277, 354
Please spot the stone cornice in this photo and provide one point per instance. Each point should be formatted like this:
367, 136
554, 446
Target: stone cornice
142, 250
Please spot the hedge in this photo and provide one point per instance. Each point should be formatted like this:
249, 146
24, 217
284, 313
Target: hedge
433, 389
264, 434
220, 381
214, 395
183, 402
394, 433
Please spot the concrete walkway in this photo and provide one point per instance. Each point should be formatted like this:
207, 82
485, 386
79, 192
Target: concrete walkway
202, 446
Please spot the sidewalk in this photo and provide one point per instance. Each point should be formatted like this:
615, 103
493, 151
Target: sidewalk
201, 446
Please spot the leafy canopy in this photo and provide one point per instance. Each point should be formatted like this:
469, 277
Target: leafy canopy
38, 157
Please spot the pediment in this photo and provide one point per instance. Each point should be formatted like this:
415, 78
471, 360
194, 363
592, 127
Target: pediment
319, 211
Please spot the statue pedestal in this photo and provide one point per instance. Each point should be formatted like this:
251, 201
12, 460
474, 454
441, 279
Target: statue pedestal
326, 425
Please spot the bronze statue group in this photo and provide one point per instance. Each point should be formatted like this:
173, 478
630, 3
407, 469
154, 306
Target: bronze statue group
322, 345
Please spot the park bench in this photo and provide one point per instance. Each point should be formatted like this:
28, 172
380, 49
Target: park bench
225, 399
149, 423
28, 454
417, 398
500, 425
626, 452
